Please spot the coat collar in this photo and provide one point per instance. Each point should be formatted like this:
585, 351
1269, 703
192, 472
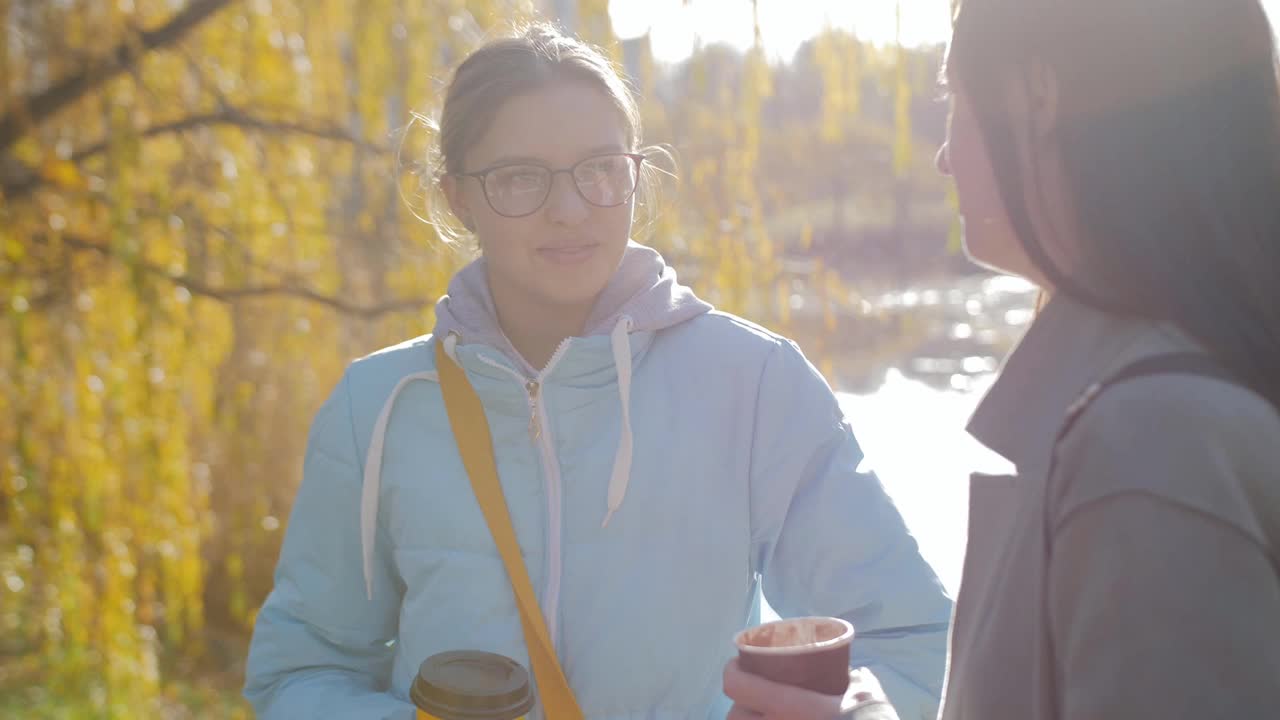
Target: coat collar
1068, 347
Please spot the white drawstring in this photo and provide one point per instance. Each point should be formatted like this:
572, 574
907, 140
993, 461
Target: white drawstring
373, 469
620, 341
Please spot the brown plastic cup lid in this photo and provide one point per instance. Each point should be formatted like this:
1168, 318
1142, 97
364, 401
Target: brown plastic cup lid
472, 685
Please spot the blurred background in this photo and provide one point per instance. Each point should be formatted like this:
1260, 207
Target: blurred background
208, 208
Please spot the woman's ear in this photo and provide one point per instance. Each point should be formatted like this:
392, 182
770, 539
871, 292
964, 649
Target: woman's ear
457, 201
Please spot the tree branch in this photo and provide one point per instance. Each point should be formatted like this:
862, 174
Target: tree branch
238, 118
232, 294
26, 182
34, 109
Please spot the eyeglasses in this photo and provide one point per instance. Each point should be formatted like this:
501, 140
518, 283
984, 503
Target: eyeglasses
520, 189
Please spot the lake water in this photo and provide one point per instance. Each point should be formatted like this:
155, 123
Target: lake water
914, 439
912, 428
913, 436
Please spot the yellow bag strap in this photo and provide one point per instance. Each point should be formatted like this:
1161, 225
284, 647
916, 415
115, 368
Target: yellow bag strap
475, 444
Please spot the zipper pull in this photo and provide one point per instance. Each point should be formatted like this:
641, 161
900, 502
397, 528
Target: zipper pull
535, 428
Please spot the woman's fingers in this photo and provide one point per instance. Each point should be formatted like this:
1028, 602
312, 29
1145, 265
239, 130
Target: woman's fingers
740, 713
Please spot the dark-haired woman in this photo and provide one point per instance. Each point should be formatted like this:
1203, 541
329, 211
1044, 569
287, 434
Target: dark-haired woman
1124, 154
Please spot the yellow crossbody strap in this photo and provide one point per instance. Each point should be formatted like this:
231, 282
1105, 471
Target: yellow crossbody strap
475, 444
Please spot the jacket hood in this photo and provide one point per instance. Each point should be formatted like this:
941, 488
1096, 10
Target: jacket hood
644, 289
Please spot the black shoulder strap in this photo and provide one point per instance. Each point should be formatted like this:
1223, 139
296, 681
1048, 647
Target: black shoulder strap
1169, 364
1190, 363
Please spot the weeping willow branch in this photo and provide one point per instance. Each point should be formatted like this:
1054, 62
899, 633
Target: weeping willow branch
239, 118
23, 183
232, 294
34, 109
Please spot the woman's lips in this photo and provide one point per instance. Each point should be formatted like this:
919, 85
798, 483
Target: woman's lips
568, 254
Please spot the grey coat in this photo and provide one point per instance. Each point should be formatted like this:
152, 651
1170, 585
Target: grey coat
1140, 580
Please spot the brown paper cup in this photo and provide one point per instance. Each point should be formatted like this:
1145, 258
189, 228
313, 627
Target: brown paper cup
812, 653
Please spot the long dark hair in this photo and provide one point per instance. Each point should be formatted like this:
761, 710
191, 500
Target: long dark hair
1170, 138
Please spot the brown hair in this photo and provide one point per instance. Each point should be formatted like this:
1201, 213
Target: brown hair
1169, 129
532, 58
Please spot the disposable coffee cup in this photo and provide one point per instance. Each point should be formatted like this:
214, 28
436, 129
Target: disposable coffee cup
811, 652
471, 685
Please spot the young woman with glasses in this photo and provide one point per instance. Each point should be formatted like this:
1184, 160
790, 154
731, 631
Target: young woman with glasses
659, 458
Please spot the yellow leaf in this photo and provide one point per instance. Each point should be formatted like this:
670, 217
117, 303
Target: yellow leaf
28, 151
63, 173
14, 250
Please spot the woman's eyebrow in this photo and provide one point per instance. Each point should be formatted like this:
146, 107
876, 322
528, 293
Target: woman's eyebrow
521, 159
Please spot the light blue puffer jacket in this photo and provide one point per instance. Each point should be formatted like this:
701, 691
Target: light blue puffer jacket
656, 470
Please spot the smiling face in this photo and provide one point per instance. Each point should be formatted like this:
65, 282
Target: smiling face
560, 256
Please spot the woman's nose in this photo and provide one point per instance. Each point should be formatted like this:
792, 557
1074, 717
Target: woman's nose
564, 205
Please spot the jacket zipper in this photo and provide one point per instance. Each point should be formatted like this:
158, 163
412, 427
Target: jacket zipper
540, 436
535, 426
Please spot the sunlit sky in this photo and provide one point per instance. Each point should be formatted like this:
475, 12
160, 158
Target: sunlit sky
785, 24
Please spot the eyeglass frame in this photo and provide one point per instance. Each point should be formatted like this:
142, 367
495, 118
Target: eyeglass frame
481, 175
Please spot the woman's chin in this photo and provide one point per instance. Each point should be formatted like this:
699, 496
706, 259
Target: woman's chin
1002, 255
